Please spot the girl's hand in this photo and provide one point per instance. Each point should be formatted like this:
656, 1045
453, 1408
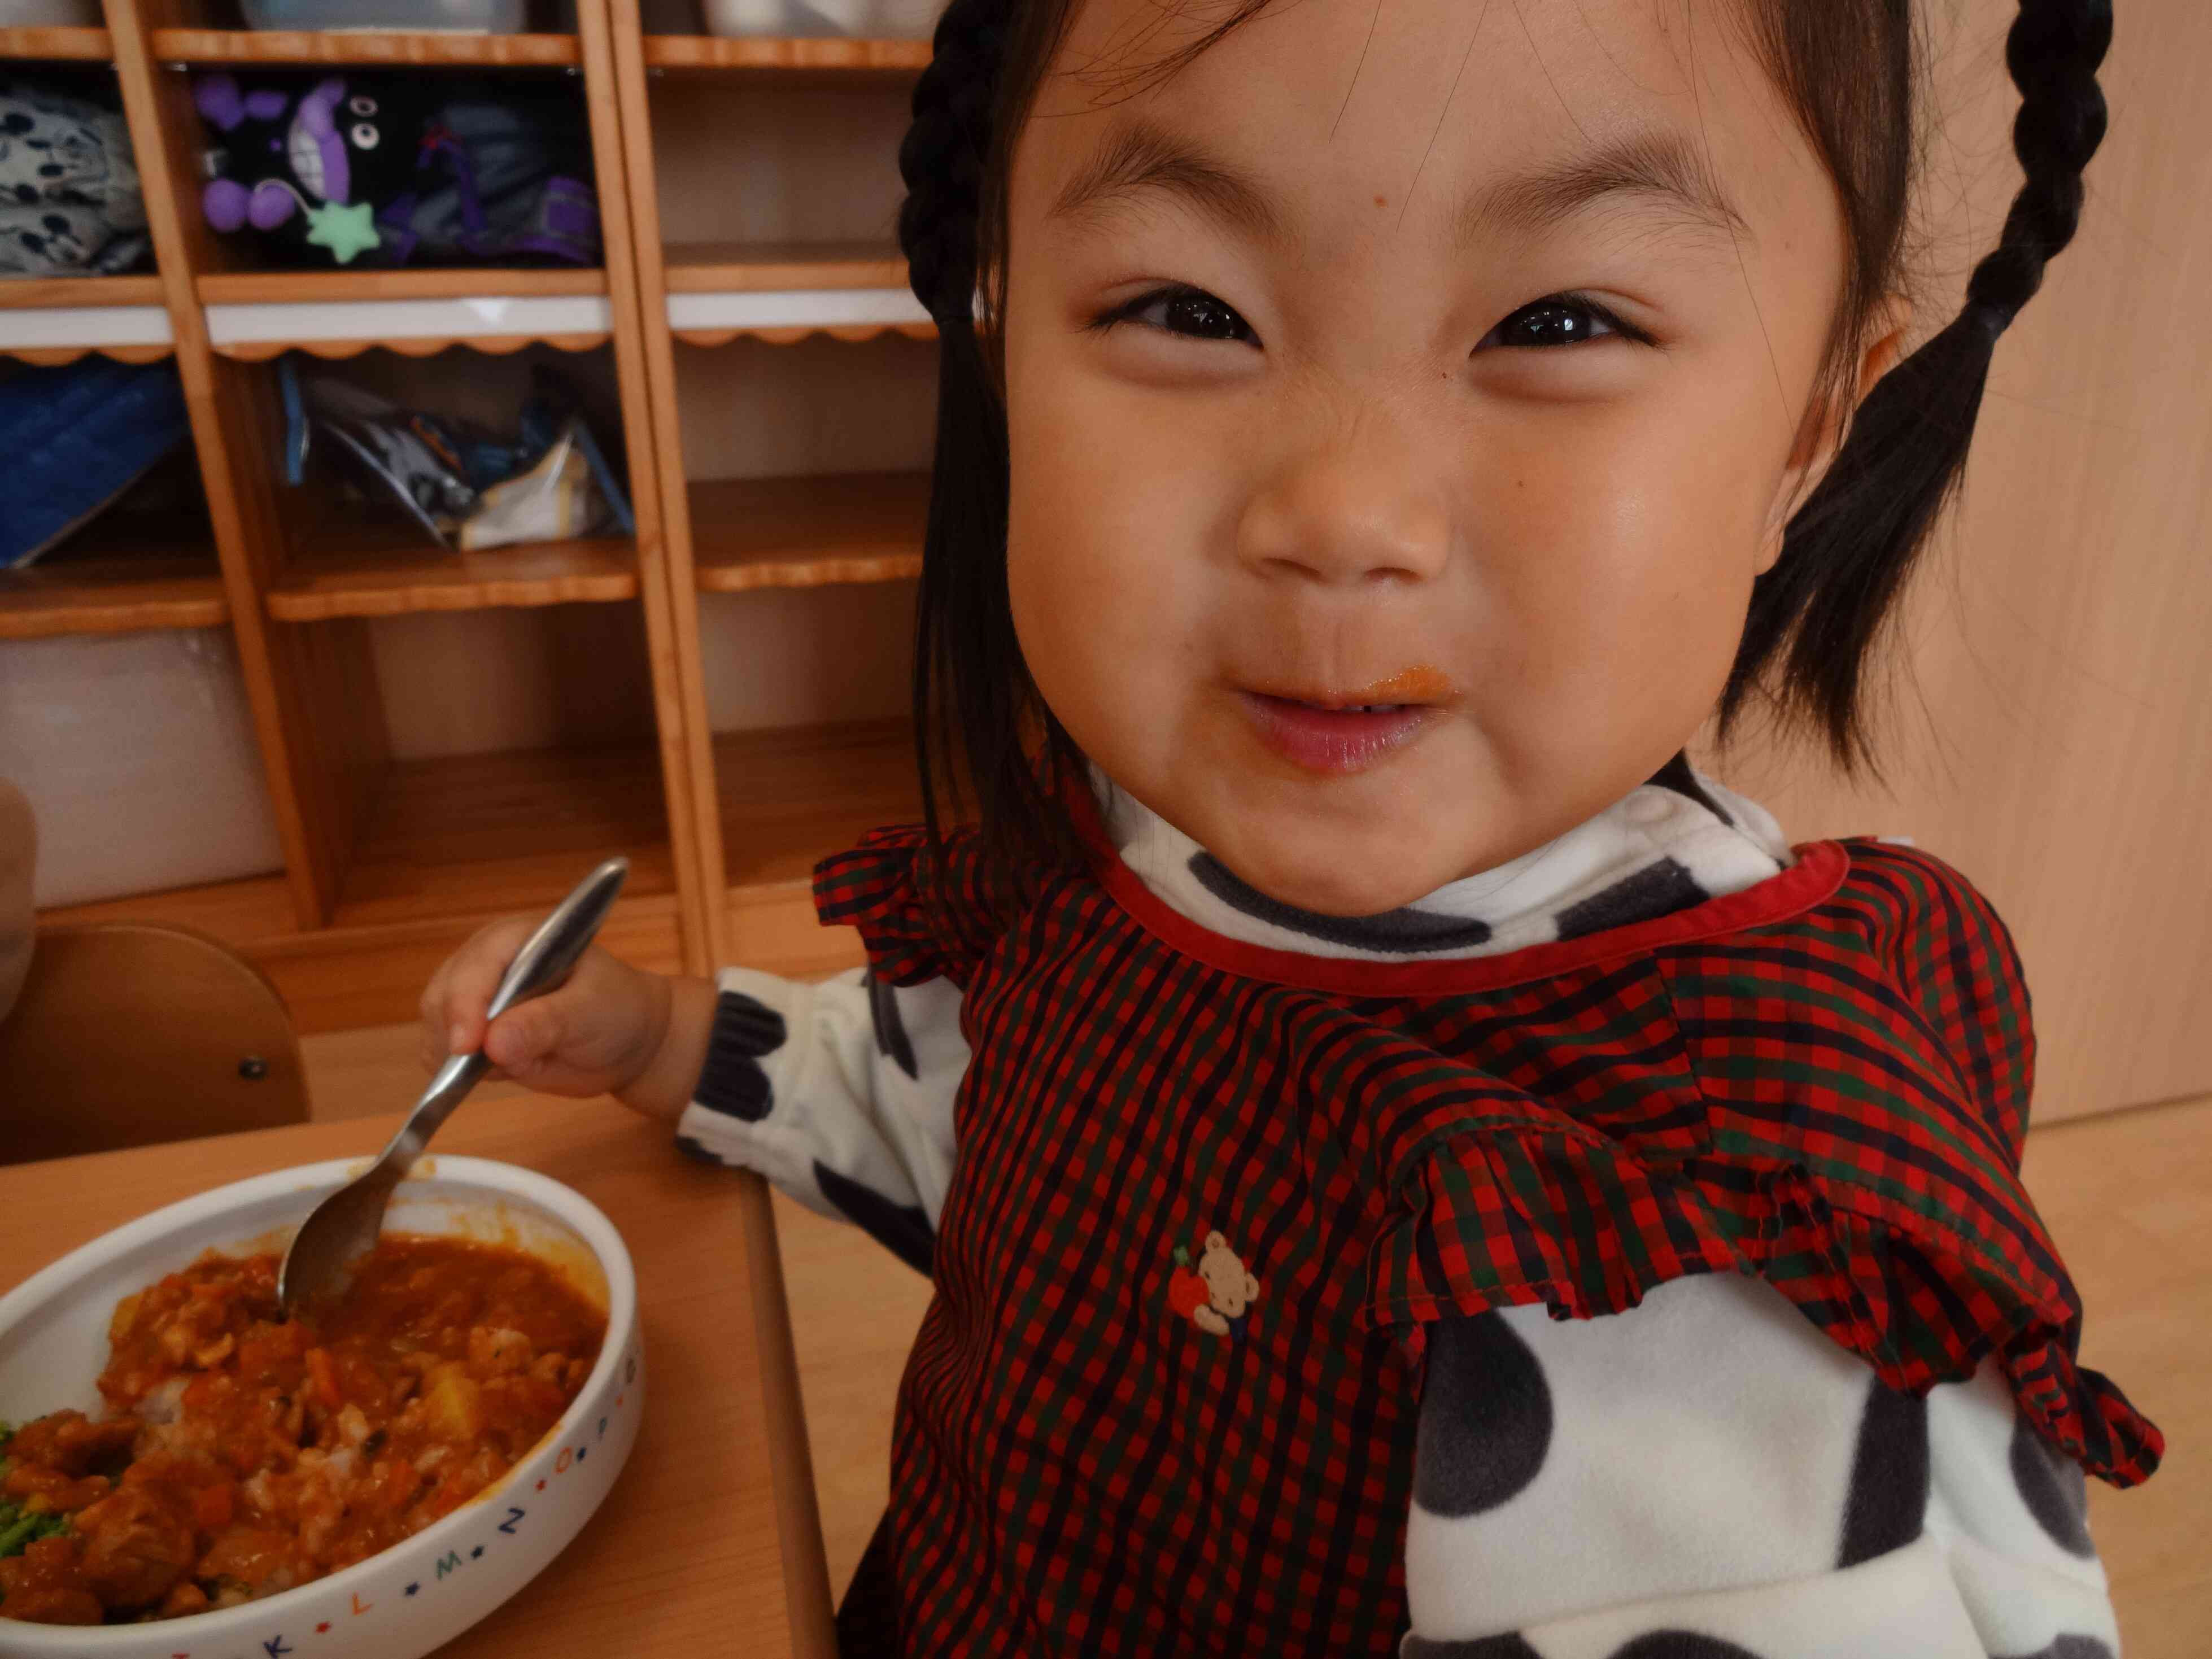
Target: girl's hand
611, 1028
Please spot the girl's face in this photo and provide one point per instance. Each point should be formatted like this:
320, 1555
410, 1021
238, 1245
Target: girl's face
1442, 359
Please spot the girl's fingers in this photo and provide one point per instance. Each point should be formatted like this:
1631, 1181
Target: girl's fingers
523, 1039
471, 978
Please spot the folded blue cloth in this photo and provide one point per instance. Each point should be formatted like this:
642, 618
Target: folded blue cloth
78, 436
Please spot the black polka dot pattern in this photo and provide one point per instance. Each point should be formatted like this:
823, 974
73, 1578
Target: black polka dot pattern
732, 1082
1401, 932
1509, 1646
1682, 1644
2054, 1489
1485, 1418
1888, 1497
891, 1040
1659, 889
902, 1229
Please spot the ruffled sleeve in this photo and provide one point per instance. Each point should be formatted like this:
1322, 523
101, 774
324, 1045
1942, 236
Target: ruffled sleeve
1864, 1072
922, 914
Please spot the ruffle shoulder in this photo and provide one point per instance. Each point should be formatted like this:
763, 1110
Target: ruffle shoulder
922, 914
1864, 1070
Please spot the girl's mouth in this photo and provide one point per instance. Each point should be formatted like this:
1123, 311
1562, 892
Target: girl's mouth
1342, 733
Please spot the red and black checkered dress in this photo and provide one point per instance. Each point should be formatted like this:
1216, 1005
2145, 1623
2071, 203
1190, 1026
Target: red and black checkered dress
1822, 1081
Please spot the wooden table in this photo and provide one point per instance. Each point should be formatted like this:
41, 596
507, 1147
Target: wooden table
683, 1559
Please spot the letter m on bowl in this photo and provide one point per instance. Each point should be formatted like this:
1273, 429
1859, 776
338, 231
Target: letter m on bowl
449, 1562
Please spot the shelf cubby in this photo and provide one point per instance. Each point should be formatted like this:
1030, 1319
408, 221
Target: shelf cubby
146, 560
494, 833
787, 796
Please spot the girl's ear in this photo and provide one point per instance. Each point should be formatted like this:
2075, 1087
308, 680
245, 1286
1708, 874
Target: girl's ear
1823, 440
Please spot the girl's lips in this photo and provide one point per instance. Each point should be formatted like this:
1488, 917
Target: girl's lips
1337, 741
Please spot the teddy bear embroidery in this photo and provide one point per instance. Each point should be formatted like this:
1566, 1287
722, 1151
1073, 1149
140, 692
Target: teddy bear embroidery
1218, 1294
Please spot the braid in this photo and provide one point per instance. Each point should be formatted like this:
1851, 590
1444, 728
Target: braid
1848, 551
945, 153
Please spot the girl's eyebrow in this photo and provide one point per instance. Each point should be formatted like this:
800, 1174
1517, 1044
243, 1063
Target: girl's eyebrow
1655, 168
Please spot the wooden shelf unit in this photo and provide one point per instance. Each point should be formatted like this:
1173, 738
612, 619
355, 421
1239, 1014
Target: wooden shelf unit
389, 860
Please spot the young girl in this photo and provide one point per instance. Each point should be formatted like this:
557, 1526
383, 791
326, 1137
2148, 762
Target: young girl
1408, 1162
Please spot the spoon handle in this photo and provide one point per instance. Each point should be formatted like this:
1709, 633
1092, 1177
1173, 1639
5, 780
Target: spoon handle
541, 965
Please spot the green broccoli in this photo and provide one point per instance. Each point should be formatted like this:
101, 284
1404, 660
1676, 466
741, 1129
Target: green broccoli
17, 1528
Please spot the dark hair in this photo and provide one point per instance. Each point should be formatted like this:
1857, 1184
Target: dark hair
1848, 68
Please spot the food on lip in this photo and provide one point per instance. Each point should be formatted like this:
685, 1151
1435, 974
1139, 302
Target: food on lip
241, 1454
1419, 684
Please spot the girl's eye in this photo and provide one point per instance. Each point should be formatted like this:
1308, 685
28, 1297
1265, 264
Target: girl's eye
362, 106
1563, 319
1190, 312
365, 137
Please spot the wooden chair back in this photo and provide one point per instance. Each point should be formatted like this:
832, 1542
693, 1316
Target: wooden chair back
127, 1034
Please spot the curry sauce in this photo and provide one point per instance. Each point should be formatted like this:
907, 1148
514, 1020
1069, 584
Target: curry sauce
241, 1453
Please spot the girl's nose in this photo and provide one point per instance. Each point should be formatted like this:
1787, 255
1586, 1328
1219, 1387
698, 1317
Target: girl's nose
1359, 510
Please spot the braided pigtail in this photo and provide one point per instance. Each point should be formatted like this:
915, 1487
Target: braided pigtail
977, 716
1847, 552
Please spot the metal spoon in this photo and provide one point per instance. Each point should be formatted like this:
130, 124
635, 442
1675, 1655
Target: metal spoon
343, 1227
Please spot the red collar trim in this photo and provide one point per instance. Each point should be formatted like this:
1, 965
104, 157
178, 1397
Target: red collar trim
1820, 870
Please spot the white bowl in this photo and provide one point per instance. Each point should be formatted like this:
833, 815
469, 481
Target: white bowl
419, 1593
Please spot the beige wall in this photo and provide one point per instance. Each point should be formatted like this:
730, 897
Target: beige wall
2051, 730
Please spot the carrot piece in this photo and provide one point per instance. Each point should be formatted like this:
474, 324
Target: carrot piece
324, 1374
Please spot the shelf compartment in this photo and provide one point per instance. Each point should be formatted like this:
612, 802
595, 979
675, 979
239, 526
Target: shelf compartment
698, 54
809, 532
365, 47
482, 835
792, 795
415, 327
378, 580
111, 596
89, 45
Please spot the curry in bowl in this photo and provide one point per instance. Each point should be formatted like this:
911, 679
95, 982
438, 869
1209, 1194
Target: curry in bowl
239, 1454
